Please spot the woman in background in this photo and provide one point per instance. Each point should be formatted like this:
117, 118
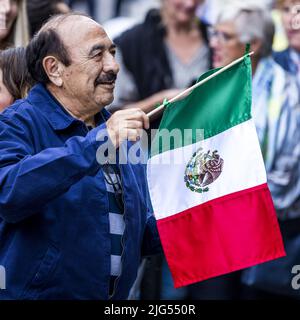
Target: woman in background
15, 80
161, 56
14, 28
276, 114
289, 59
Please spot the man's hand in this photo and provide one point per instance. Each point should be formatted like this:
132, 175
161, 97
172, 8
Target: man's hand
127, 125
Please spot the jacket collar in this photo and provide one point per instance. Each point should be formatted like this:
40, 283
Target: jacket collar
57, 116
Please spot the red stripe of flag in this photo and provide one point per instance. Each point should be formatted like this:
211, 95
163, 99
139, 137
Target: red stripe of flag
229, 233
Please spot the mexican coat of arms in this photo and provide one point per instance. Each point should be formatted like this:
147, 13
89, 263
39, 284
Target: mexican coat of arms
202, 170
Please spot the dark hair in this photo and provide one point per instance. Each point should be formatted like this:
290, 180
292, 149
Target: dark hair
45, 43
16, 77
39, 11
48, 42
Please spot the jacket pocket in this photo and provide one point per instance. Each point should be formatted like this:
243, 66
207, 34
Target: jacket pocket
43, 274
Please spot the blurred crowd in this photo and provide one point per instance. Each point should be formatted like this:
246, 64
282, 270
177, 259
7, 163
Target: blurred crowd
162, 48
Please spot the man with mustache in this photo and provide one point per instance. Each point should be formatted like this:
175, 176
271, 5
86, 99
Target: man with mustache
71, 227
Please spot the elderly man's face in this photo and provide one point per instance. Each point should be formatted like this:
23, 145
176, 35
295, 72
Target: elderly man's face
225, 44
90, 79
291, 22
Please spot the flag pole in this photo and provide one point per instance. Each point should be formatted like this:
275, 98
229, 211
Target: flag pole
198, 84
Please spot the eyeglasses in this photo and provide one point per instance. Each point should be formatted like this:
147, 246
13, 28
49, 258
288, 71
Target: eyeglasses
291, 9
112, 178
220, 35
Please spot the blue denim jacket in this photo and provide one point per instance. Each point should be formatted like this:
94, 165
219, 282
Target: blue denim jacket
54, 219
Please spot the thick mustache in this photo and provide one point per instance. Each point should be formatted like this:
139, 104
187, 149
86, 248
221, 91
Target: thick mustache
107, 78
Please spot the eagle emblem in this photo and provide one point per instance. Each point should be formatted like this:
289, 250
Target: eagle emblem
202, 170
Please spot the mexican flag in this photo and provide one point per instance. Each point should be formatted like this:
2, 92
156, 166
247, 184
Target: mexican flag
208, 188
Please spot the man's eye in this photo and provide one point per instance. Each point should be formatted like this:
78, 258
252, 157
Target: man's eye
98, 54
113, 52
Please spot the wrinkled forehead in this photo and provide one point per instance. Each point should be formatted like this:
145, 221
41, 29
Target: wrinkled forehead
82, 33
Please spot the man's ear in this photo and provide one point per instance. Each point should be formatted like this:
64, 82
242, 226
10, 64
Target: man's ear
54, 70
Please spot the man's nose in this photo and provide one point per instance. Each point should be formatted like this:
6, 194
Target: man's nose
110, 64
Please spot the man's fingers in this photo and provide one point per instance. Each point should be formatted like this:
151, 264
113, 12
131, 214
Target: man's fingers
146, 121
137, 114
133, 135
127, 124
134, 124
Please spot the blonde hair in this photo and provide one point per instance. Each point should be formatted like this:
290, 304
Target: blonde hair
21, 32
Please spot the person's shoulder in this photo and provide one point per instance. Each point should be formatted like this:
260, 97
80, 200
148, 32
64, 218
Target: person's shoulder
132, 34
16, 124
283, 58
287, 84
13, 112
138, 32
21, 115
281, 54
279, 71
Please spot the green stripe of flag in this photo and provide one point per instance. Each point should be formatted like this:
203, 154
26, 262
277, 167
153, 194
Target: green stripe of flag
215, 106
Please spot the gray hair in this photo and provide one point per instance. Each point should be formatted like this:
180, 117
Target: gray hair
251, 23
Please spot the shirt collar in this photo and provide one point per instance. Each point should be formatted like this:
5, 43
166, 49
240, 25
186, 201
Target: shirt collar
56, 114
295, 57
